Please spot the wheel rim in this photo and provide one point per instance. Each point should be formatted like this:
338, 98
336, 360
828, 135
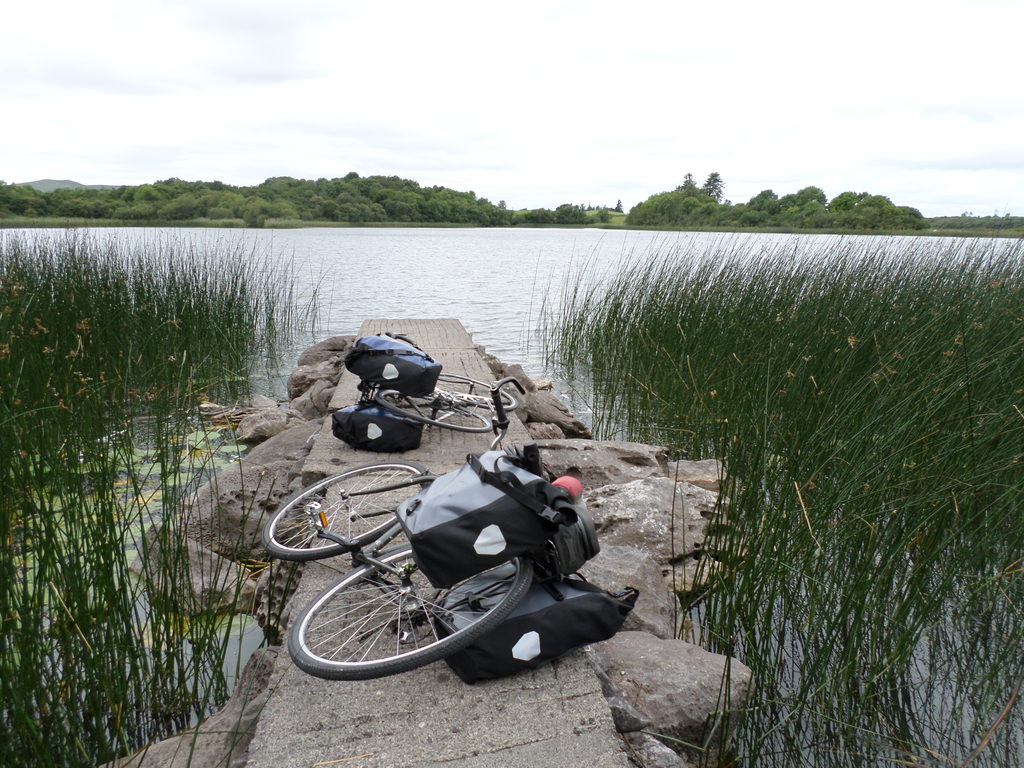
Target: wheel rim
477, 393
349, 506
446, 409
372, 618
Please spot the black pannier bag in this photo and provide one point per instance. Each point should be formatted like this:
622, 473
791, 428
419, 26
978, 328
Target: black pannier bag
368, 427
393, 361
481, 515
554, 618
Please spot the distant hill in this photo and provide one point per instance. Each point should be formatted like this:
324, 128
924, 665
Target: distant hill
48, 185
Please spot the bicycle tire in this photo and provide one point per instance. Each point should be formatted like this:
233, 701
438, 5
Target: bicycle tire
463, 405
371, 625
358, 503
479, 391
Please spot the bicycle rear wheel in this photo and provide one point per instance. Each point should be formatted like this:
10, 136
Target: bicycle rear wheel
458, 402
437, 410
358, 504
473, 390
382, 621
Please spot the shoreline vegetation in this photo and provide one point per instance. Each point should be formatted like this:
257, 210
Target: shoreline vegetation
106, 349
389, 201
71, 223
865, 403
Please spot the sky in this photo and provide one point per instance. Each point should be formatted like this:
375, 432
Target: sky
532, 103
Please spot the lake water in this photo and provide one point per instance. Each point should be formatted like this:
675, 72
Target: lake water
498, 282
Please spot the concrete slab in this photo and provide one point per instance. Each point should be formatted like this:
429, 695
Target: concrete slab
553, 716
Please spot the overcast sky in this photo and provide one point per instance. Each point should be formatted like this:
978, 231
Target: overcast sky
533, 103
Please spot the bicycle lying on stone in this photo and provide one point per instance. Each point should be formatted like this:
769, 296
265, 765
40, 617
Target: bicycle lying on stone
395, 374
404, 604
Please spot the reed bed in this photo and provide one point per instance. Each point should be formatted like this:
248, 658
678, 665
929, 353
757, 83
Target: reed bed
105, 349
867, 400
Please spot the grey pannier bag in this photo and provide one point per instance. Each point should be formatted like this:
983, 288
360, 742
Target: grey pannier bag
485, 513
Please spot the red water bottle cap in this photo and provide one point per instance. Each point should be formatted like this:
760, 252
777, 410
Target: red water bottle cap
570, 483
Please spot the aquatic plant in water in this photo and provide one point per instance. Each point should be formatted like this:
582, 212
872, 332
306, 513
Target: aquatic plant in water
105, 349
866, 398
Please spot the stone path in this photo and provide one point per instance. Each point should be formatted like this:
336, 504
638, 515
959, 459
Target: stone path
554, 716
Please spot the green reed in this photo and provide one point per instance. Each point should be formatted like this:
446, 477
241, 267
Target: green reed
105, 349
867, 400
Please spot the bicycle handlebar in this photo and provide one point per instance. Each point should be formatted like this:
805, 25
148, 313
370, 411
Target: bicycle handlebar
499, 422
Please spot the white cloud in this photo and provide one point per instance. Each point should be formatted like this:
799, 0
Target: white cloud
538, 103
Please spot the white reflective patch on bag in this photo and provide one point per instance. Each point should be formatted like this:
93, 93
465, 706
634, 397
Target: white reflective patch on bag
491, 541
527, 647
389, 372
373, 431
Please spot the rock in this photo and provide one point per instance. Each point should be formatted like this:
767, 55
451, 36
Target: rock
209, 409
601, 462
227, 513
626, 717
229, 413
616, 567
262, 401
491, 361
706, 473
218, 584
291, 445
271, 606
665, 519
539, 431
648, 752
264, 423
548, 408
315, 402
221, 739
501, 369
333, 349
515, 369
304, 376
684, 692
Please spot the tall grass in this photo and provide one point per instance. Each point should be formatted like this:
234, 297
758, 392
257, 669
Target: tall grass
104, 350
868, 403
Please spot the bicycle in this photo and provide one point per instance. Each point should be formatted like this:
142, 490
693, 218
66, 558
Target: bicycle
397, 375
383, 616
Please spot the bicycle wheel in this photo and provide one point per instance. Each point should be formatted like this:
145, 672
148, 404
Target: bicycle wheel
472, 390
381, 621
458, 403
437, 410
358, 504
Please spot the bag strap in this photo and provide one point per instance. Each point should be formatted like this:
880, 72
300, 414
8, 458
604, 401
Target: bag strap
402, 337
355, 352
393, 352
512, 486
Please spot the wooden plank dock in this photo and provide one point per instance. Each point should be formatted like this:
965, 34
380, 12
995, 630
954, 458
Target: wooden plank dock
553, 716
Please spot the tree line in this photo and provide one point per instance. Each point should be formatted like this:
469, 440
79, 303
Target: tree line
353, 199
690, 205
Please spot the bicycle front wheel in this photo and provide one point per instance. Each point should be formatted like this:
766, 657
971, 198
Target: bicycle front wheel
380, 621
358, 504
